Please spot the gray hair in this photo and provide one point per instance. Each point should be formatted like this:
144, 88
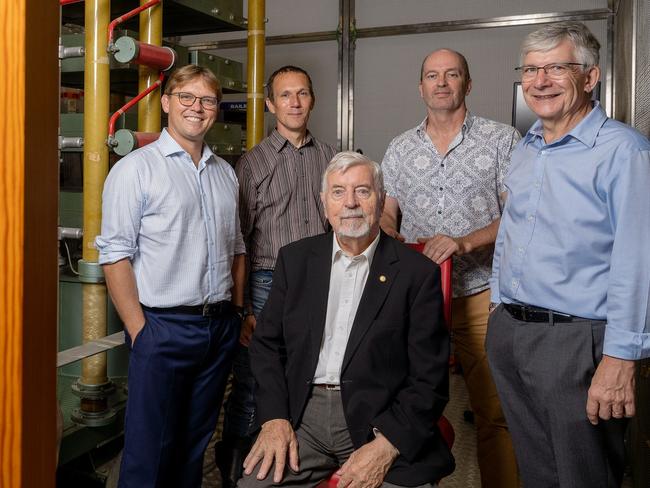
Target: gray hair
585, 46
348, 159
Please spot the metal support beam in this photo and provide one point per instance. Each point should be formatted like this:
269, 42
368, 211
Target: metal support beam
345, 105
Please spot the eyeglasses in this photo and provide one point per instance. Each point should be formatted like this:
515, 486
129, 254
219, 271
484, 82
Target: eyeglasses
555, 71
187, 100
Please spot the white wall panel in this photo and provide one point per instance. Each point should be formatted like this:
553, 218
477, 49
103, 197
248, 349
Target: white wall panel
375, 13
387, 101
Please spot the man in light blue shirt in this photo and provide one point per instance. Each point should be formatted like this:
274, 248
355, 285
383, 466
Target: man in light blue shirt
172, 253
571, 271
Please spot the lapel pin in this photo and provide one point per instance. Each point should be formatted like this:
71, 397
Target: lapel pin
382, 278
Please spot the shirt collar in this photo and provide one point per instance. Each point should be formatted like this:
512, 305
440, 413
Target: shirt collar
278, 141
169, 146
586, 131
468, 121
369, 252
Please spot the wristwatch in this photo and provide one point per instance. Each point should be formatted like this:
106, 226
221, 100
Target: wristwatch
239, 311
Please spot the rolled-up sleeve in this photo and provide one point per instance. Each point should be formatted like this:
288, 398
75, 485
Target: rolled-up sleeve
122, 204
627, 335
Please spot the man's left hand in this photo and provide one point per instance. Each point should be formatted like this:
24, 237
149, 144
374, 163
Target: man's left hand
611, 393
440, 247
368, 465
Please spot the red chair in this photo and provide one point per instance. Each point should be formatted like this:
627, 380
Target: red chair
446, 430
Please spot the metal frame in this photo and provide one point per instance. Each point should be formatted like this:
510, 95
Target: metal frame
345, 102
347, 34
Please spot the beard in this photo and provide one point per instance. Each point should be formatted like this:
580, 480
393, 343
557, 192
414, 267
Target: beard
353, 229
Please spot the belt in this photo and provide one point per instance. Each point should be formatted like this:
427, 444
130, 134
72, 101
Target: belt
528, 313
327, 387
218, 309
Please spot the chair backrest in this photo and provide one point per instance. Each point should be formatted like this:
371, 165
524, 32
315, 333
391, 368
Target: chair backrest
445, 279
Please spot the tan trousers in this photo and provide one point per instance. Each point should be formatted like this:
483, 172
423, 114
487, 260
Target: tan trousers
496, 457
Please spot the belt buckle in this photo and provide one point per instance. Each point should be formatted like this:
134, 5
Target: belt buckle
524, 315
333, 387
206, 310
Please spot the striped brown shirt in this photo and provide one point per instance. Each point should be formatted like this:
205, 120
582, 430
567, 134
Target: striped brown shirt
279, 188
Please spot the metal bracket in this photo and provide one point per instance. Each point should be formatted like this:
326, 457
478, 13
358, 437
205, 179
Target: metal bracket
90, 272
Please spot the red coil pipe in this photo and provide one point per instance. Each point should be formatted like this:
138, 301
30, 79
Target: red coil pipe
131, 103
156, 57
144, 138
127, 16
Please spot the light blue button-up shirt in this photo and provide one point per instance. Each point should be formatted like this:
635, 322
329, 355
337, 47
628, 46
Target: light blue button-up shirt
575, 231
178, 224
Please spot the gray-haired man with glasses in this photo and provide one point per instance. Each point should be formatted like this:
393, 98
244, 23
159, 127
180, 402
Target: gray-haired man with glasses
571, 271
173, 256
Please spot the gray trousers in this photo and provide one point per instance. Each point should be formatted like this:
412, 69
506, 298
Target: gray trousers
323, 445
542, 372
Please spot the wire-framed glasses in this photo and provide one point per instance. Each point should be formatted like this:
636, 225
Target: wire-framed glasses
188, 99
552, 70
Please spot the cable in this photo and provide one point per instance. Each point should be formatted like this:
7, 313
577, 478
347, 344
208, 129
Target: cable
67, 250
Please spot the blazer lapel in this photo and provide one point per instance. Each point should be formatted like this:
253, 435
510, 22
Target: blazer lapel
319, 266
381, 277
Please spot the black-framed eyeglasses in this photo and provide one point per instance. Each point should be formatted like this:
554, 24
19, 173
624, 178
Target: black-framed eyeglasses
552, 70
187, 100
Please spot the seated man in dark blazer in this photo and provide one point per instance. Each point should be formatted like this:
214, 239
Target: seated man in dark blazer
350, 352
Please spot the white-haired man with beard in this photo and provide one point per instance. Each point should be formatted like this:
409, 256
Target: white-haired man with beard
350, 352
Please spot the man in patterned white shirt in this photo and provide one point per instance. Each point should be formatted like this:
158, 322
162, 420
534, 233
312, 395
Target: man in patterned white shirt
446, 178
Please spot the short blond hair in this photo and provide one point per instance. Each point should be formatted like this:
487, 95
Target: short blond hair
189, 73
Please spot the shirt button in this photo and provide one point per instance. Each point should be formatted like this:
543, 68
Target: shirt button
440, 188
439, 212
515, 282
530, 218
306, 221
442, 165
521, 250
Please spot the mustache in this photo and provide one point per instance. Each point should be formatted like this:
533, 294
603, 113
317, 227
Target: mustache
351, 214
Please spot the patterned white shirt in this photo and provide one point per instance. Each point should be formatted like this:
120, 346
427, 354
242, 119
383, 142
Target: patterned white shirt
454, 193
347, 281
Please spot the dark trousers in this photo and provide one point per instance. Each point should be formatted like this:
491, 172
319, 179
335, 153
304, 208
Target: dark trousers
177, 373
542, 372
239, 411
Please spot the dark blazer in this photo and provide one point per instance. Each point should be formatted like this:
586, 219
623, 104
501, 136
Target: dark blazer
395, 368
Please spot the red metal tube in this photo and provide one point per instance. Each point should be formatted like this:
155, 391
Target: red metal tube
156, 57
131, 103
144, 138
68, 2
127, 16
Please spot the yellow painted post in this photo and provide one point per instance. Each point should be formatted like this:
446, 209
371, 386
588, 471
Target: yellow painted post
255, 73
95, 169
149, 106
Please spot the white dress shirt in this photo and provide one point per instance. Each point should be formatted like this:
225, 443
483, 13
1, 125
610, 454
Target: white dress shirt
176, 222
347, 281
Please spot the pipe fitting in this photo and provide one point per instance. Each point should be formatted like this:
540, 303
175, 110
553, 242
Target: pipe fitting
70, 233
70, 142
71, 52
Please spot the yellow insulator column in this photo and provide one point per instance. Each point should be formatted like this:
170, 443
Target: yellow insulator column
95, 169
149, 106
255, 73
